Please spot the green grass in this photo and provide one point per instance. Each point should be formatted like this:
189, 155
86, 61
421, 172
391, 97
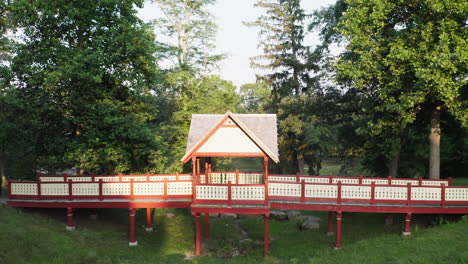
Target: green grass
39, 236
460, 182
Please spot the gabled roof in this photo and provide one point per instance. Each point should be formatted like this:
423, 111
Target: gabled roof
260, 128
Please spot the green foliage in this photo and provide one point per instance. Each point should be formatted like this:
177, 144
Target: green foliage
401, 60
86, 71
186, 95
254, 98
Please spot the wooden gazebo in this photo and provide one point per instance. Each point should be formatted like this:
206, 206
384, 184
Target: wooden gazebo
230, 135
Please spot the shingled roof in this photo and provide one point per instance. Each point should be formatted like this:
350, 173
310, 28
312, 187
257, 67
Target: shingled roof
261, 128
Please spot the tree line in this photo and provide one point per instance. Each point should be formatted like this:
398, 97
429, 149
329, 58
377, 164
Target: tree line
90, 85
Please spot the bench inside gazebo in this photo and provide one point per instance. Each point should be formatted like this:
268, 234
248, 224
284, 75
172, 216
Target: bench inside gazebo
230, 135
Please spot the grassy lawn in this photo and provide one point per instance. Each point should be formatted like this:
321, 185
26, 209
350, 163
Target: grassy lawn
39, 236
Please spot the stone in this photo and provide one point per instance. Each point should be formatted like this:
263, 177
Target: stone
249, 216
278, 215
306, 218
214, 215
228, 216
293, 214
310, 224
170, 215
246, 240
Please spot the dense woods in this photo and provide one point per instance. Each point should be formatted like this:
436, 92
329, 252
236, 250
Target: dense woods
81, 85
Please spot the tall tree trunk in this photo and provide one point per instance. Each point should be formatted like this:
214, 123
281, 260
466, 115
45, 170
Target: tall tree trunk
395, 162
300, 163
434, 145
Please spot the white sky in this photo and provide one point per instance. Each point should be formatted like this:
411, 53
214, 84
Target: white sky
234, 39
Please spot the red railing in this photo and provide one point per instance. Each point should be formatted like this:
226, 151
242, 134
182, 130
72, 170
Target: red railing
371, 194
99, 190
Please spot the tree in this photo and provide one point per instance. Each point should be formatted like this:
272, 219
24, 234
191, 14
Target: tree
407, 57
281, 38
87, 70
255, 97
287, 62
194, 29
203, 95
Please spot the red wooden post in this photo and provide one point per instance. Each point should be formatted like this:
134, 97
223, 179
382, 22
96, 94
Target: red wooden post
449, 181
133, 241
297, 177
165, 189
407, 231
265, 178
132, 194
207, 226
197, 235
65, 178
372, 192
420, 180
147, 176
120, 176
302, 191
70, 224
194, 185
198, 171
265, 234
229, 193
237, 176
330, 224
338, 200
389, 180
442, 195
149, 226
39, 193
93, 177
339, 216
100, 189
177, 176
360, 179
408, 194
93, 214
70, 190
330, 179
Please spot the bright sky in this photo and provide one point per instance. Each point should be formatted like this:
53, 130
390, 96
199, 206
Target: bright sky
234, 39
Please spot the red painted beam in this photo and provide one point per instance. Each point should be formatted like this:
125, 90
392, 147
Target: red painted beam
149, 222
197, 235
70, 224
339, 216
407, 231
132, 242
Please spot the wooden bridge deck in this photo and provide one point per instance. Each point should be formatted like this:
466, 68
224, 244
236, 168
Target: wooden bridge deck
248, 195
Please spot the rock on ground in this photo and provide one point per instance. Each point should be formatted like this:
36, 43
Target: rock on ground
293, 214
228, 216
305, 218
248, 216
214, 215
278, 215
310, 224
